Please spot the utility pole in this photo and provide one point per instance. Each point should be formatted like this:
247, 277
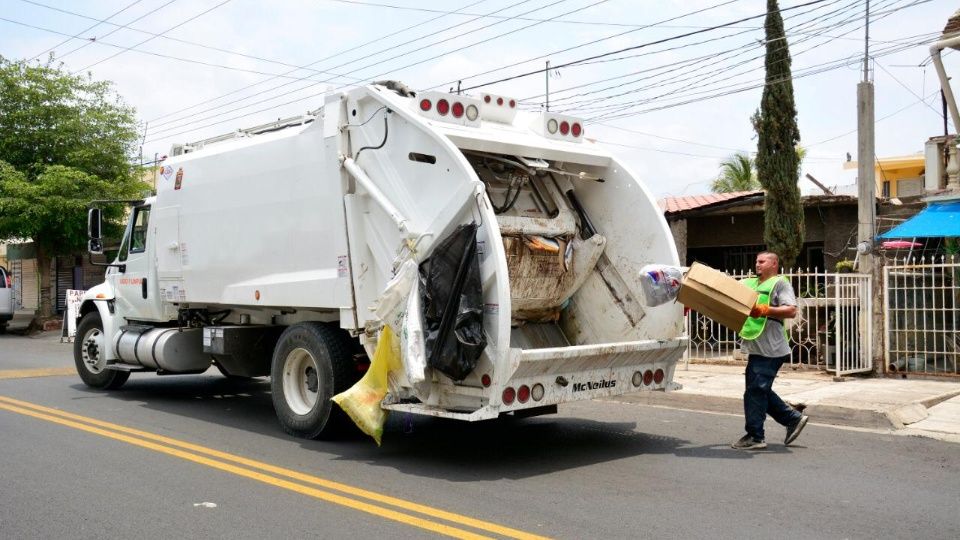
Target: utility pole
547, 73
867, 210
866, 159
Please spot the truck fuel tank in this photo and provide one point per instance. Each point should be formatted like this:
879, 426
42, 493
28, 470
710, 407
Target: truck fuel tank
171, 350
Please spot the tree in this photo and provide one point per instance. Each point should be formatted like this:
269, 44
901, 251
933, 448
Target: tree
778, 165
736, 174
65, 140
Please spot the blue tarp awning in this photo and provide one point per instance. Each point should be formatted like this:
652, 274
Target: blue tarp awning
936, 220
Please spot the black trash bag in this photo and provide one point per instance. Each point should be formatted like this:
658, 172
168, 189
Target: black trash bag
453, 304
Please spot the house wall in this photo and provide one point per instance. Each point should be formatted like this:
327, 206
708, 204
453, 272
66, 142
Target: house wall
679, 230
830, 228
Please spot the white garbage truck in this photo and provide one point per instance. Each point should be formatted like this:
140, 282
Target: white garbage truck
265, 252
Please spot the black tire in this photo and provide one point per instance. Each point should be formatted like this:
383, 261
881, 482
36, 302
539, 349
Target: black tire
312, 362
3, 327
88, 355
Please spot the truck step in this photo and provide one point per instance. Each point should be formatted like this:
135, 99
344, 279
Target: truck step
120, 366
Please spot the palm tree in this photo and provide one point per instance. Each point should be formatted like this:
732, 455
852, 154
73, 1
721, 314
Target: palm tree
737, 173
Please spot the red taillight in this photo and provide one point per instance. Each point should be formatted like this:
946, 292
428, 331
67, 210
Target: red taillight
443, 107
509, 394
647, 377
658, 376
486, 99
425, 105
513, 103
499, 101
523, 394
485, 380
564, 127
457, 109
575, 129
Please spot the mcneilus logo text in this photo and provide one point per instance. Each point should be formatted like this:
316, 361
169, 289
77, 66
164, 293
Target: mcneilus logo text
591, 385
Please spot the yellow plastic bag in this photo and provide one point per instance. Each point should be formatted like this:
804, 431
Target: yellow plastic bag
362, 400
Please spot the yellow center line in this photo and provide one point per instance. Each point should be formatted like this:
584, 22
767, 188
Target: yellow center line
64, 418
37, 372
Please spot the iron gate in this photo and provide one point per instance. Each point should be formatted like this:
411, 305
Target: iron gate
831, 331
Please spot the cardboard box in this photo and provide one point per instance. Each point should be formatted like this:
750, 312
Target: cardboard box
717, 296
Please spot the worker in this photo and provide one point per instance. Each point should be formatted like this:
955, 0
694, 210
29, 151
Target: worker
765, 341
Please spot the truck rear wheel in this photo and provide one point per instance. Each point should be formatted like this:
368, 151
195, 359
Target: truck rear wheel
89, 354
311, 364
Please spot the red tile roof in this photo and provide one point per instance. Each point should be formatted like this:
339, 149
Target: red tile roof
679, 204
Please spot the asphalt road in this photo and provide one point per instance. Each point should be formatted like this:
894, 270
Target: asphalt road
598, 469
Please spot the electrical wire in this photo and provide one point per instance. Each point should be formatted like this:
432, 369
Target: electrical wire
166, 38
408, 65
87, 29
174, 27
335, 55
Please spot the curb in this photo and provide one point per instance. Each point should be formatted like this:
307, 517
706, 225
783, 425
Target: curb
883, 418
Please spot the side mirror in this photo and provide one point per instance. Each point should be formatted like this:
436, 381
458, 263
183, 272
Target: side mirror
94, 246
93, 224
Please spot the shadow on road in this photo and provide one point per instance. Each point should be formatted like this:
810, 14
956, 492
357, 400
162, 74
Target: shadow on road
417, 445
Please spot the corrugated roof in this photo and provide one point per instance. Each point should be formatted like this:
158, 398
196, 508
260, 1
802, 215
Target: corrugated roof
671, 205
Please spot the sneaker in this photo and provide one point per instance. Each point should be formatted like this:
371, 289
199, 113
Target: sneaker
747, 442
794, 431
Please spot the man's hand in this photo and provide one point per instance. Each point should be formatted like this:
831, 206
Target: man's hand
760, 310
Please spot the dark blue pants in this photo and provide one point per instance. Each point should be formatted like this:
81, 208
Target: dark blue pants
759, 399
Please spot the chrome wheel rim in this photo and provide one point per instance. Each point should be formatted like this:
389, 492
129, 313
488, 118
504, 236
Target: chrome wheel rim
91, 350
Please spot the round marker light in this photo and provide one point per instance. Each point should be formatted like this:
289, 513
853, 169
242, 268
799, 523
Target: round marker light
537, 392
513, 103
457, 109
576, 129
647, 377
564, 128
658, 376
523, 394
472, 112
485, 380
486, 98
425, 105
499, 101
443, 107
552, 126
637, 379
509, 394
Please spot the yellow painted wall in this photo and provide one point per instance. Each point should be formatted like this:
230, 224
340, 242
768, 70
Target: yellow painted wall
893, 169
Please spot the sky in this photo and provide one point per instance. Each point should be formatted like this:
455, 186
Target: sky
667, 85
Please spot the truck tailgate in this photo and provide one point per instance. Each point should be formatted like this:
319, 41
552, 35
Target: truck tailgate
581, 358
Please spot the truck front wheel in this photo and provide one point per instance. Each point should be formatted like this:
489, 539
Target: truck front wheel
311, 364
89, 354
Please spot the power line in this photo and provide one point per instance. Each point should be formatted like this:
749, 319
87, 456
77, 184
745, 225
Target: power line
680, 66
635, 47
448, 52
87, 29
174, 27
612, 109
414, 63
898, 111
168, 38
322, 60
501, 68
150, 53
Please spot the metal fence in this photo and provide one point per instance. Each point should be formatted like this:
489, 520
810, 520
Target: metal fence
831, 330
922, 316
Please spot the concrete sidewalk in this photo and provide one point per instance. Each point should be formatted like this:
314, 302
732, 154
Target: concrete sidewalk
904, 406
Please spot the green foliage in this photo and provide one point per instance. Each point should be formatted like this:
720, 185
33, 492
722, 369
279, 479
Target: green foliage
49, 117
845, 266
52, 208
777, 159
65, 141
737, 173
